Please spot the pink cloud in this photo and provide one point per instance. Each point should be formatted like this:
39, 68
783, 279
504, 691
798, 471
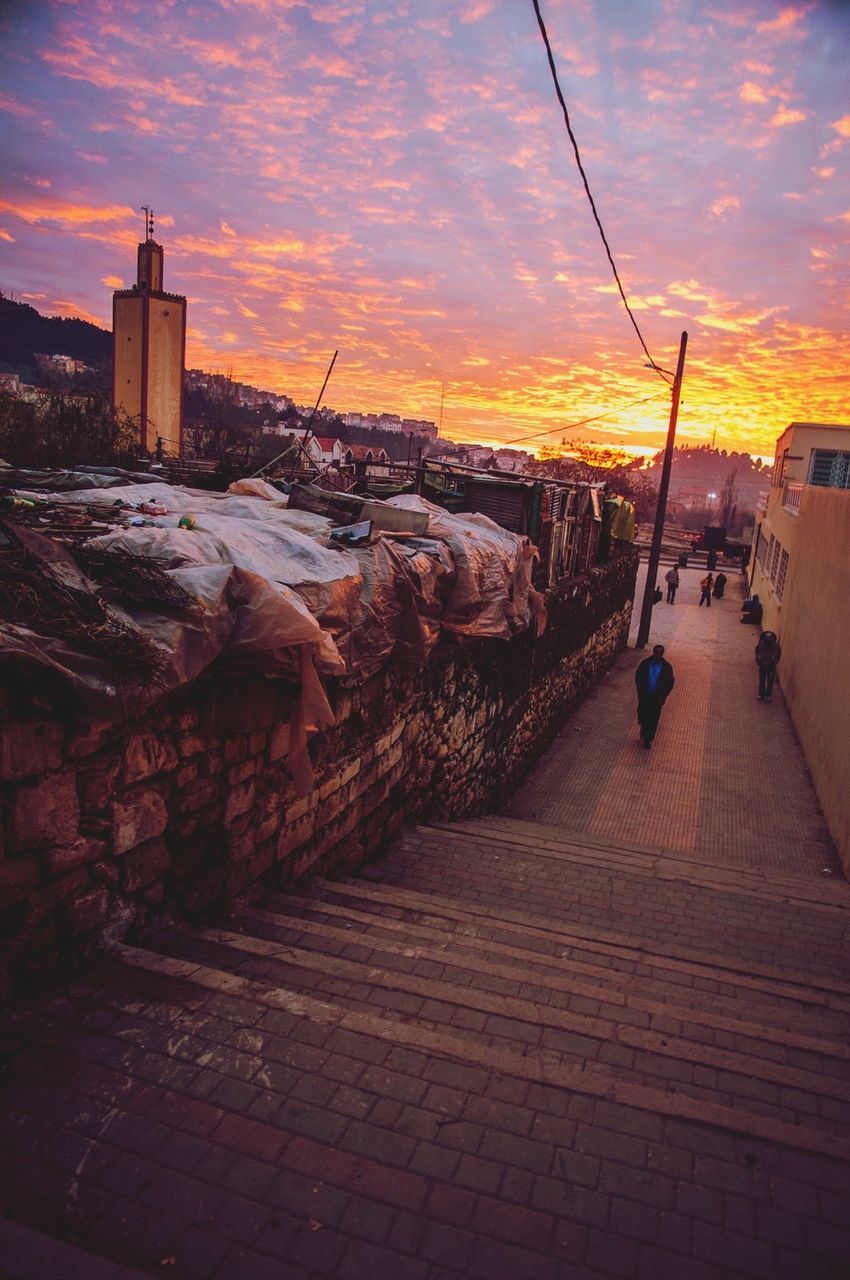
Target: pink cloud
750, 92
786, 19
786, 115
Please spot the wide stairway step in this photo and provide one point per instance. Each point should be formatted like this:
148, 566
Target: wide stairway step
631, 901
829, 889
467, 998
484, 1058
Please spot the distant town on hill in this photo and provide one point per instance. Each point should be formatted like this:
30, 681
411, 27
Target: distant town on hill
52, 353
225, 418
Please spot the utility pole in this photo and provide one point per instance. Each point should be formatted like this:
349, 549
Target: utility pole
661, 509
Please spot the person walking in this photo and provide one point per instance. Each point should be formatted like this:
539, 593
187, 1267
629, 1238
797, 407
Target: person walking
711, 560
671, 577
653, 681
768, 653
719, 586
705, 589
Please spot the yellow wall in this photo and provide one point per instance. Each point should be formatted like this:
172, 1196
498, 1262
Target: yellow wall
165, 371
801, 437
814, 626
784, 526
127, 376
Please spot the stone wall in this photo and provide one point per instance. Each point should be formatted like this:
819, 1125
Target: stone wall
193, 805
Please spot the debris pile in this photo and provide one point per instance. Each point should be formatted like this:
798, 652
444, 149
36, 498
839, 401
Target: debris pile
131, 594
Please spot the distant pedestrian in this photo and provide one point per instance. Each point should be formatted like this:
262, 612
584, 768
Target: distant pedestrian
751, 610
705, 589
711, 560
653, 681
719, 586
768, 653
671, 577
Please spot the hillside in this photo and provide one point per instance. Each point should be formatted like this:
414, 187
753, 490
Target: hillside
24, 331
707, 468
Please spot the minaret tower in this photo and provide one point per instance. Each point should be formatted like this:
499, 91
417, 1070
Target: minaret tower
149, 351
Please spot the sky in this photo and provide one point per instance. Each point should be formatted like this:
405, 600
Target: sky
392, 179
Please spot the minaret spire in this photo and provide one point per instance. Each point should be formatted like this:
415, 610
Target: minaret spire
148, 212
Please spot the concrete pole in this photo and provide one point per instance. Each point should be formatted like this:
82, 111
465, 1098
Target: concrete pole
661, 509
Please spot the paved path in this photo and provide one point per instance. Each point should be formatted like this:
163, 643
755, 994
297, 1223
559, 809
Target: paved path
725, 780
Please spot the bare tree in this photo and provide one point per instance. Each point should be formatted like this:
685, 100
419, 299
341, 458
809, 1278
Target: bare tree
728, 504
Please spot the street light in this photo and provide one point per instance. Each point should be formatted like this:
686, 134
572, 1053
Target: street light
660, 510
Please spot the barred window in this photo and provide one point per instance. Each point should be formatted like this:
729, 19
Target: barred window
781, 575
762, 551
769, 556
777, 467
775, 549
830, 469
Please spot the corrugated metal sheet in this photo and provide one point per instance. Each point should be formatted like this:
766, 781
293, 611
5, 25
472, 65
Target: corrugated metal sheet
506, 504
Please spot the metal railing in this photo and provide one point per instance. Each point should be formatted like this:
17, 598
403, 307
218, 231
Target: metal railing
792, 498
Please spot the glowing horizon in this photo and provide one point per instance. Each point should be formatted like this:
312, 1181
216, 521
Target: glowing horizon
396, 182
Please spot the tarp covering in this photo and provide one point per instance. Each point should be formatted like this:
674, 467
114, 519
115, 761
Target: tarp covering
620, 515
264, 580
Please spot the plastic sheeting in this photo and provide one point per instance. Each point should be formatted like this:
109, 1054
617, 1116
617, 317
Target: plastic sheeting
266, 581
492, 593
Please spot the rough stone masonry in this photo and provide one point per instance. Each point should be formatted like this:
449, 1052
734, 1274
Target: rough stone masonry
192, 805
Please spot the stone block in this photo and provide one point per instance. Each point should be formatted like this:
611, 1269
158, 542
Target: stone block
96, 782
390, 758
82, 745
239, 801
65, 858
29, 748
211, 764
138, 816
350, 771
251, 868
87, 911
46, 812
256, 743
328, 788
147, 754
295, 833
185, 775
236, 748
241, 772
198, 795
278, 742
145, 863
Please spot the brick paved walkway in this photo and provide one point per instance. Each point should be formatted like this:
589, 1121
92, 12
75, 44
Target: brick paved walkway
513, 1050
726, 779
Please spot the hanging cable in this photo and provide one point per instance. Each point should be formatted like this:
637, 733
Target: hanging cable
611, 413
553, 69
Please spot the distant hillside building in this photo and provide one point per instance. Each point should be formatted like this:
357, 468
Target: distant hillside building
149, 354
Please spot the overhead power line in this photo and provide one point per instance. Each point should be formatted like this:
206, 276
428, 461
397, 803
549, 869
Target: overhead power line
597, 219
570, 426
